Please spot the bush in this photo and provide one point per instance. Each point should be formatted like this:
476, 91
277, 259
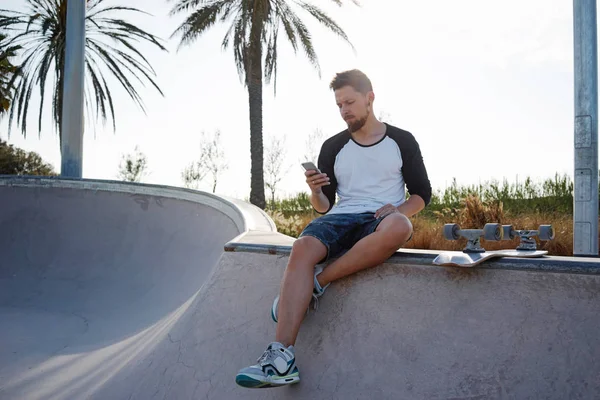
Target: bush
15, 161
298, 204
552, 195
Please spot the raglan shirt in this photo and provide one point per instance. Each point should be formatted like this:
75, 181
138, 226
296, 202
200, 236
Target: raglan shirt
367, 177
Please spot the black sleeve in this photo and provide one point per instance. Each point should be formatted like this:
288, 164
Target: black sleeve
413, 167
326, 165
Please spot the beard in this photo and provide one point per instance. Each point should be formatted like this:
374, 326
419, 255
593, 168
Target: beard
357, 123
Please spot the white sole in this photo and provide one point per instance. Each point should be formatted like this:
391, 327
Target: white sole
276, 380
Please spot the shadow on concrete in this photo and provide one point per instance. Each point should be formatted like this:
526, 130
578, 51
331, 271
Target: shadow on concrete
89, 279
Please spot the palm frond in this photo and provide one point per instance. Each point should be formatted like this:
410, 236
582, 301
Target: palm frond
110, 49
241, 39
186, 5
282, 10
300, 33
7, 71
271, 59
341, 2
262, 19
201, 20
93, 15
325, 20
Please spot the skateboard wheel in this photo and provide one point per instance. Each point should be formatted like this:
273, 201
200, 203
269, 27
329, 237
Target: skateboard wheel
493, 232
546, 232
508, 232
451, 231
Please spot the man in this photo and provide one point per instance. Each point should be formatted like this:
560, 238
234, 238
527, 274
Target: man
367, 166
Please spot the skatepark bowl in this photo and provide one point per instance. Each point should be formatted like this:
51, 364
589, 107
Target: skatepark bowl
113, 290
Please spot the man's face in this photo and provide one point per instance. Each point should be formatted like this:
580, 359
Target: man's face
354, 107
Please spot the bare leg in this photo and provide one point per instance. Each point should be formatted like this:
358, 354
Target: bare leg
370, 251
297, 286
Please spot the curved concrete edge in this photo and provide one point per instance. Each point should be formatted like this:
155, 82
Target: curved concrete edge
247, 217
278, 244
258, 233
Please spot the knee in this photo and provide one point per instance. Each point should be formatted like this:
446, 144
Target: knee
308, 250
398, 229
303, 244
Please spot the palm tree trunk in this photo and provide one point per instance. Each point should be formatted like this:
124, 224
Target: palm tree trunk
257, 182
60, 82
59, 108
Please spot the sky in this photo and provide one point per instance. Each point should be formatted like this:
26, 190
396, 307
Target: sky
486, 88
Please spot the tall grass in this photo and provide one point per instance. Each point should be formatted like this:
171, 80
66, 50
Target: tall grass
525, 205
429, 232
553, 194
299, 204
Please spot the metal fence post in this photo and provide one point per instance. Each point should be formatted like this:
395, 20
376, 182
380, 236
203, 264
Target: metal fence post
72, 111
585, 196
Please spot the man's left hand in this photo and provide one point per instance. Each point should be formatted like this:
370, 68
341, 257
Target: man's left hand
385, 211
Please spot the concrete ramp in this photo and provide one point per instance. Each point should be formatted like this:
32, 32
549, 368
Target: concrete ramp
93, 275
114, 291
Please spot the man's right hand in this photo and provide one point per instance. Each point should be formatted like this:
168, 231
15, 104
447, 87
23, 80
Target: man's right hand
316, 180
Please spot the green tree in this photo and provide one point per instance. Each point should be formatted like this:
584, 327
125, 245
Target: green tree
253, 33
7, 69
110, 49
15, 161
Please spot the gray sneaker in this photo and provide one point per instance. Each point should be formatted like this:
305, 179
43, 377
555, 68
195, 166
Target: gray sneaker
317, 292
276, 367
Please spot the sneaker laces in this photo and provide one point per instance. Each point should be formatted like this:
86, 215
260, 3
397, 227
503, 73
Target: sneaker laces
316, 295
315, 301
316, 287
267, 357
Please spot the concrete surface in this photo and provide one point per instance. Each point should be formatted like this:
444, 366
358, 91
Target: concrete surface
113, 291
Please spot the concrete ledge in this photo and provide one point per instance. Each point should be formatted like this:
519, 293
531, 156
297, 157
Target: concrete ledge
261, 242
277, 244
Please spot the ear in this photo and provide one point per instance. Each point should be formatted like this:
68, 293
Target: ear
370, 98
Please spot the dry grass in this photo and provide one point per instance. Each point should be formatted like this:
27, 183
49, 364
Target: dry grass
293, 225
428, 232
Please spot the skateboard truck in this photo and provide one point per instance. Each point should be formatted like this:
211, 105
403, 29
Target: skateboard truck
473, 254
489, 232
527, 243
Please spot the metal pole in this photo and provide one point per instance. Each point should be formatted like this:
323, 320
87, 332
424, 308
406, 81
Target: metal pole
72, 111
585, 200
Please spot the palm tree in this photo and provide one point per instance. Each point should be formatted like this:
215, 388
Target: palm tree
109, 48
254, 31
7, 69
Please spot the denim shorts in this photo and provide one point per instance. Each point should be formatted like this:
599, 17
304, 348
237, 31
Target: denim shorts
339, 232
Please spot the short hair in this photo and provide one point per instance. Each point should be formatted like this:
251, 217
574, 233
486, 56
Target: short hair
354, 78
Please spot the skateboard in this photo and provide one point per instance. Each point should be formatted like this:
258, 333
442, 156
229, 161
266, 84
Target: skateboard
473, 254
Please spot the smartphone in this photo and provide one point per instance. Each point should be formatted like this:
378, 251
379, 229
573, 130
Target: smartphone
308, 166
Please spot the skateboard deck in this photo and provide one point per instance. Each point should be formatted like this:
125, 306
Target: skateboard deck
521, 253
474, 254
462, 259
